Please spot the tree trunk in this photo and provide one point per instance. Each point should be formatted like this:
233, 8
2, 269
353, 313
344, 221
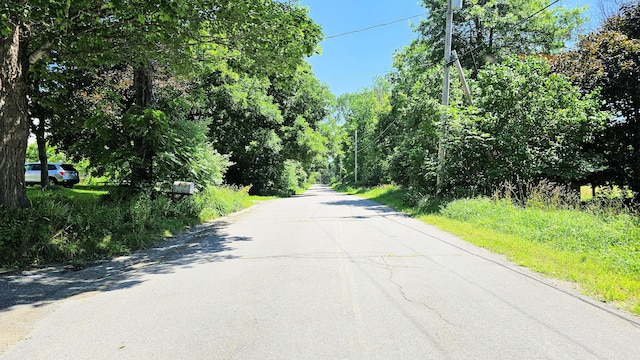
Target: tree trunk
39, 129
142, 170
14, 119
143, 84
42, 154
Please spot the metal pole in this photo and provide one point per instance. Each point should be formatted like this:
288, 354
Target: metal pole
445, 91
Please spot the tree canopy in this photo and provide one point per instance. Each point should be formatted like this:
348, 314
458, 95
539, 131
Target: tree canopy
485, 31
526, 124
40, 39
609, 60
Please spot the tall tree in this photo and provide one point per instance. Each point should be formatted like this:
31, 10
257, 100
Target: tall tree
304, 103
609, 60
488, 30
245, 123
527, 125
361, 112
87, 34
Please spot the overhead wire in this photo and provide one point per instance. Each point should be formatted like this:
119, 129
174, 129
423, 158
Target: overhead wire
373, 27
520, 24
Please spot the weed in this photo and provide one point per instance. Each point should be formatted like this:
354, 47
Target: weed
74, 225
218, 201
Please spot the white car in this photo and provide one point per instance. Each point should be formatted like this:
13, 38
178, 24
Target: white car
59, 174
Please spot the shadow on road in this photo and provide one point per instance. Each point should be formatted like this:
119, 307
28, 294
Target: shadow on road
362, 203
203, 243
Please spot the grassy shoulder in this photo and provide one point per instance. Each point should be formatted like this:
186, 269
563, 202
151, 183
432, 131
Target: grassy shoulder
88, 223
596, 249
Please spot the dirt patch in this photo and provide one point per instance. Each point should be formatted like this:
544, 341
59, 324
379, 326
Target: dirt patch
18, 322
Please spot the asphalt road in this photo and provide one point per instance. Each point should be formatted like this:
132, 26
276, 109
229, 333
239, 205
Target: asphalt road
317, 276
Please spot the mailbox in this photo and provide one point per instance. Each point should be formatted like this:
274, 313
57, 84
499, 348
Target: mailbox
183, 187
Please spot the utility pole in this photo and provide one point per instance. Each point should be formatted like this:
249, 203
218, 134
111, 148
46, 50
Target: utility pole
451, 5
356, 153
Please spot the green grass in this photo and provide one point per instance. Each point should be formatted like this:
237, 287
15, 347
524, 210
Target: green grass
78, 193
222, 200
88, 223
258, 198
597, 249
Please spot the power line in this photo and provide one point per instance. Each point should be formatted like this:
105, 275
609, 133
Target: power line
373, 27
523, 22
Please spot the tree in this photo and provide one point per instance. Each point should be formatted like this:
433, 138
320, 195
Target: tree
410, 129
489, 30
333, 133
528, 125
610, 8
97, 125
86, 34
304, 103
609, 60
244, 123
362, 112
37, 32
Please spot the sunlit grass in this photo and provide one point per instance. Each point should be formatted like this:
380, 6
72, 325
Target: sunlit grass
86, 223
258, 198
604, 192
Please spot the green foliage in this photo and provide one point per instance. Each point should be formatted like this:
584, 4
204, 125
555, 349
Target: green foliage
528, 125
411, 140
156, 145
244, 123
52, 154
401, 137
608, 60
19, 227
490, 30
261, 38
216, 201
265, 125
363, 111
293, 178
73, 225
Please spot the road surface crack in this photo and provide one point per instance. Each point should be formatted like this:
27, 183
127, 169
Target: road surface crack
391, 268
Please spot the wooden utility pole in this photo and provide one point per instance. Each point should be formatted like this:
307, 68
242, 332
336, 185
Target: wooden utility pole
356, 154
451, 5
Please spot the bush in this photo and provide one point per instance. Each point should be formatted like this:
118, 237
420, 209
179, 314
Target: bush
528, 124
292, 178
60, 229
19, 228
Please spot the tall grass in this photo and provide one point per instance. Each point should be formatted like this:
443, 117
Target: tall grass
75, 225
218, 201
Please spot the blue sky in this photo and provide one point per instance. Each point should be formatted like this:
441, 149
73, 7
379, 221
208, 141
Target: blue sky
350, 63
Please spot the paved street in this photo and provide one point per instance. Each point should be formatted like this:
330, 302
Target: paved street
317, 276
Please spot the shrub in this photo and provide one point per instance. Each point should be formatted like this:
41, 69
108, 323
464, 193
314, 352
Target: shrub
528, 124
59, 228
